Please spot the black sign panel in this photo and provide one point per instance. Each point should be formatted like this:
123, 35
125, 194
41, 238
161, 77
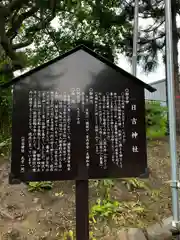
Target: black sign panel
78, 120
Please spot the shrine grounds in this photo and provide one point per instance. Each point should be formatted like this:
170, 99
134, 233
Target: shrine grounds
47, 211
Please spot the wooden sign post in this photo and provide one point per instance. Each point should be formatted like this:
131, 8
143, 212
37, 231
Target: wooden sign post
82, 210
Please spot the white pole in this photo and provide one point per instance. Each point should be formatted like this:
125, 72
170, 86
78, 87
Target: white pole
135, 38
172, 113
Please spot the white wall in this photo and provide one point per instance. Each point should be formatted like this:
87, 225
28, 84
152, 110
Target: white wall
160, 94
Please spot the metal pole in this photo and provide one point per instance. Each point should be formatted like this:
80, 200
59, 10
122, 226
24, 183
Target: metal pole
135, 38
172, 113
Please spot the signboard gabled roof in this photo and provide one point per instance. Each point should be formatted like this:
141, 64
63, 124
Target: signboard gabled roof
92, 53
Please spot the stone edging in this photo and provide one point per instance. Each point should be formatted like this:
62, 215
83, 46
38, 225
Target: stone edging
155, 232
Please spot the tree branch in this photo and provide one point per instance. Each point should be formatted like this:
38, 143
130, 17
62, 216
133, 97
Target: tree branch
13, 31
16, 4
23, 44
144, 41
155, 28
4, 41
53, 39
6, 69
4, 38
14, 13
39, 26
13, 5
53, 6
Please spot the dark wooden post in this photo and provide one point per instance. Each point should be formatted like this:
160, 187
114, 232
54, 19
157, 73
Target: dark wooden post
82, 210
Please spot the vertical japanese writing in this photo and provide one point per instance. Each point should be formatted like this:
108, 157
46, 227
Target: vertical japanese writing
87, 136
56, 137
91, 96
68, 133
127, 95
104, 131
96, 123
30, 128
120, 131
64, 128
22, 168
49, 137
109, 115
134, 134
100, 131
78, 100
112, 128
49, 143
60, 131
38, 132
51, 132
34, 121
47, 123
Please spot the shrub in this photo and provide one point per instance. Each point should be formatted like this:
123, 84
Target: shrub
39, 186
156, 119
5, 110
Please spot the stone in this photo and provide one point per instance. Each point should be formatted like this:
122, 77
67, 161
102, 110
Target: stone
160, 231
136, 234
4, 213
121, 193
122, 235
161, 234
13, 234
108, 238
35, 200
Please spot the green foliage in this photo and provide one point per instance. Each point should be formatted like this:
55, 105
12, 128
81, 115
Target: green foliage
125, 212
106, 185
103, 209
39, 186
68, 235
118, 211
101, 23
156, 120
106, 22
5, 147
91, 236
134, 184
152, 36
5, 116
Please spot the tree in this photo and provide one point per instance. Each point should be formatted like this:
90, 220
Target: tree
154, 42
152, 38
28, 39
25, 23
19, 21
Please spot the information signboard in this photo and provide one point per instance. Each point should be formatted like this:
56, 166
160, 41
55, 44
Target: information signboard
78, 125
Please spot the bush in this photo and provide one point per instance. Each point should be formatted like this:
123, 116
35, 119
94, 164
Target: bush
156, 120
5, 109
39, 186
5, 121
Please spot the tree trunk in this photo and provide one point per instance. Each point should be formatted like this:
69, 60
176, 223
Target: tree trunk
176, 65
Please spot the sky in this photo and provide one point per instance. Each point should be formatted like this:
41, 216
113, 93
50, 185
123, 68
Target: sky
158, 74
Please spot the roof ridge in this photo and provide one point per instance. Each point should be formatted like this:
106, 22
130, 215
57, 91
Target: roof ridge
89, 51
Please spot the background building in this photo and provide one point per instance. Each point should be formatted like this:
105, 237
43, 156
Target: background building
160, 94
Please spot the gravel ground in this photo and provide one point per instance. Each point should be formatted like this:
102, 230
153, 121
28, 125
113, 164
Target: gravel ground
49, 214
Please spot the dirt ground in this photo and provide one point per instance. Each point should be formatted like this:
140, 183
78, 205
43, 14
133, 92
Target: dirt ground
47, 215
